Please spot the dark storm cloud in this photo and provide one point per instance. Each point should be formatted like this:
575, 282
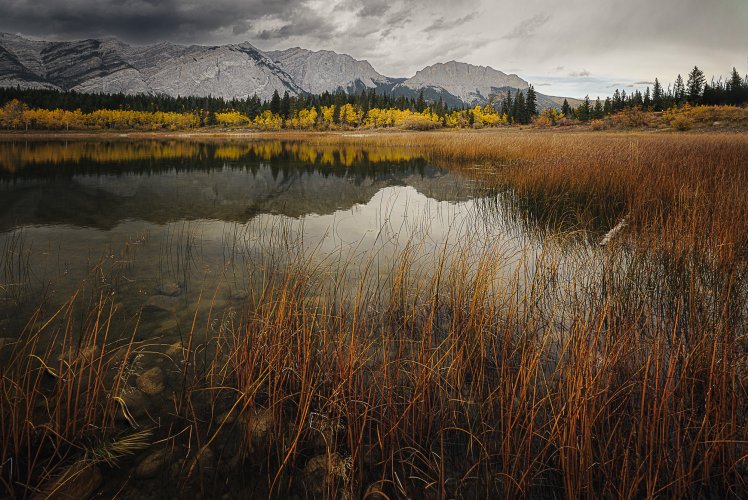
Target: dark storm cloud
375, 8
562, 43
145, 20
315, 28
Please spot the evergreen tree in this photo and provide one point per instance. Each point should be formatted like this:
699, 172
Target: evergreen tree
440, 107
285, 107
679, 91
420, 103
531, 103
737, 90
519, 109
275, 103
695, 85
584, 111
636, 99
617, 101
657, 96
506, 106
647, 100
566, 109
608, 106
597, 111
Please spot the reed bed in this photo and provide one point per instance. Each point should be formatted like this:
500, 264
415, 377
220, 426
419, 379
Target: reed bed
457, 388
573, 370
680, 192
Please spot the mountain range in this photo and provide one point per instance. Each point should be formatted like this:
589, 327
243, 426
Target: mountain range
235, 71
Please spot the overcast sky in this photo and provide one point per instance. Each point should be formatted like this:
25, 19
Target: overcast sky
569, 47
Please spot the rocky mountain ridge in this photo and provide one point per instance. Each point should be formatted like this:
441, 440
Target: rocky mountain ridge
233, 71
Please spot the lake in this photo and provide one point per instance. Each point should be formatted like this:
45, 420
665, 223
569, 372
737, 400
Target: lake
327, 317
209, 220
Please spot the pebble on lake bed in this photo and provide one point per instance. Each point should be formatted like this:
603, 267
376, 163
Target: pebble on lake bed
175, 351
239, 295
135, 401
82, 355
151, 381
151, 464
322, 469
204, 459
261, 426
169, 288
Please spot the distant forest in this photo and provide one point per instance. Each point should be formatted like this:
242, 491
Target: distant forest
340, 109
695, 91
284, 106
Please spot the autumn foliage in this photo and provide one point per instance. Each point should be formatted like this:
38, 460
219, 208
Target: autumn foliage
15, 115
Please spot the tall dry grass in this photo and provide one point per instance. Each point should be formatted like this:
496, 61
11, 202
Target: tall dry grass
456, 388
613, 372
680, 192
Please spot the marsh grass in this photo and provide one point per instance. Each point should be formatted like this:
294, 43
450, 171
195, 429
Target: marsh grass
563, 370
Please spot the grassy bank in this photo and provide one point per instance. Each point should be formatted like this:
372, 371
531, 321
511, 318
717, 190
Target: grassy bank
575, 370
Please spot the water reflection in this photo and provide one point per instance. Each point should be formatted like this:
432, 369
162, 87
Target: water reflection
211, 216
101, 184
15, 157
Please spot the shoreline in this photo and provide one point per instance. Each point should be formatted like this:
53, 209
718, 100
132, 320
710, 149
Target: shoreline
8, 135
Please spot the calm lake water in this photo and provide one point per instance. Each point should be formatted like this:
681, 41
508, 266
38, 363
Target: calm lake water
199, 223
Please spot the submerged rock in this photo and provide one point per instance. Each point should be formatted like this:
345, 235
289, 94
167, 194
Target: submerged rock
322, 471
84, 355
79, 481
152, 463
239, 295
162, 303
204, 459
326, 433
135, 402
151, 382
175, 351
261, 427
169, 288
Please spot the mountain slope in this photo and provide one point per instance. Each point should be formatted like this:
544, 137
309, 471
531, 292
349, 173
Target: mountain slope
112, 66
471, 84
236, 71
327, 71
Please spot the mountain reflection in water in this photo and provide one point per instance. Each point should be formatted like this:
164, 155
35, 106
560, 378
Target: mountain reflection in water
69, 203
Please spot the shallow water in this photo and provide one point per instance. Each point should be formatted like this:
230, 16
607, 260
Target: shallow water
209, 221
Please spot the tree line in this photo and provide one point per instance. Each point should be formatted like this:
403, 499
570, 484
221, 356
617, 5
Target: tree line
205, 108
50, 109
694, 91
